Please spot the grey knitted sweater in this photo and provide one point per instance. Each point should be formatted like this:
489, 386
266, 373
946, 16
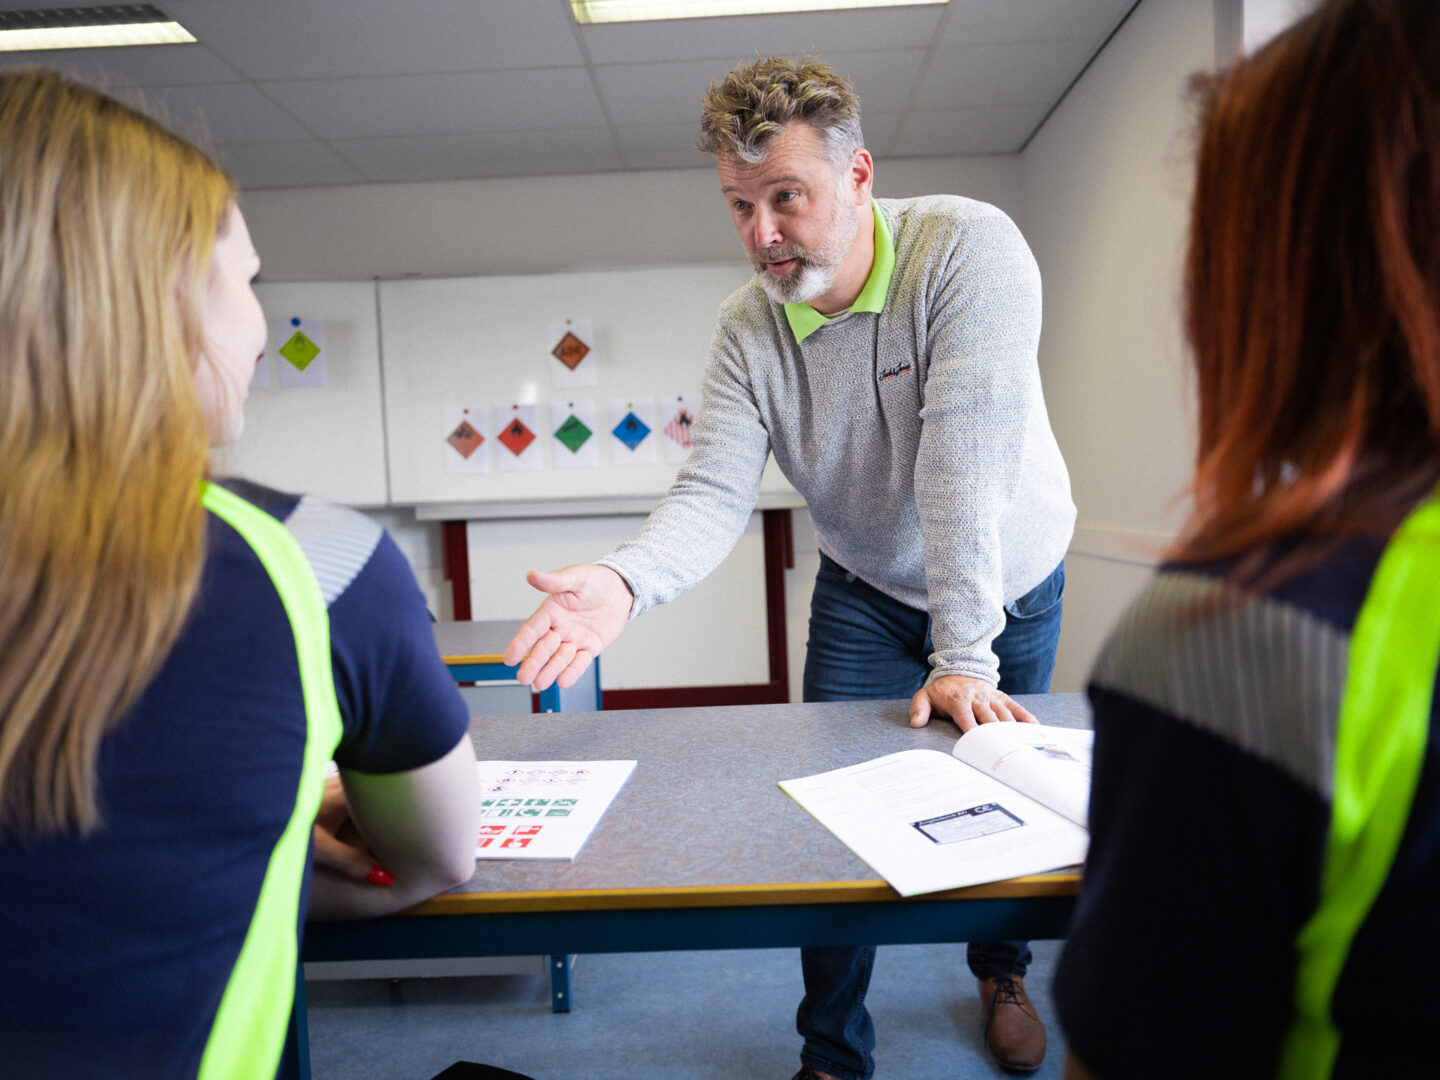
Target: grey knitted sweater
918, 436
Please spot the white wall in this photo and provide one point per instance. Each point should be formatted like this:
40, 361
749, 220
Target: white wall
1106, 188
542, 224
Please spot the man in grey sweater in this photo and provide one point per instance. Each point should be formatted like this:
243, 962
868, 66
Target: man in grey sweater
886, 354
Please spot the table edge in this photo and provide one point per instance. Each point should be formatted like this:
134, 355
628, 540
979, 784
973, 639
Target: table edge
1064, 883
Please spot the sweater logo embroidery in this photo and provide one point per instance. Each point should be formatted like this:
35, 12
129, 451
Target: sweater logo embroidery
890, 373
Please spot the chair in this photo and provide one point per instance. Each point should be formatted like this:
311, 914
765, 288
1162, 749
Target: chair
468, 1070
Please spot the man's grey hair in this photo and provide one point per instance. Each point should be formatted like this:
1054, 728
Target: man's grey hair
756, 101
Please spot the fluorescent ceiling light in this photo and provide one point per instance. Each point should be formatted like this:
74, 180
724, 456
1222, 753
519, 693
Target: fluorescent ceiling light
89, 28
606, 11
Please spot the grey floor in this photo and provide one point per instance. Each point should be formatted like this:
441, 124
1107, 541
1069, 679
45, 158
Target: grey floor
659, 1016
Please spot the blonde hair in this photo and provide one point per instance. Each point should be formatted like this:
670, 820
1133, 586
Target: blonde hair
756, 101
107, 223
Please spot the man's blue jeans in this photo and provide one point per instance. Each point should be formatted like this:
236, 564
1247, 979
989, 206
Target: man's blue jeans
866, 646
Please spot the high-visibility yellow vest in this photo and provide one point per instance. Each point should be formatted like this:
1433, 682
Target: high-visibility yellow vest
1379, 750
248, 1035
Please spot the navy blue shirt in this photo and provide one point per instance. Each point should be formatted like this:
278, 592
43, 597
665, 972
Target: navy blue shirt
1214, 741
115, 948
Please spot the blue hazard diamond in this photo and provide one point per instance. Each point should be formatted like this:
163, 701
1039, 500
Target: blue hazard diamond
631, 431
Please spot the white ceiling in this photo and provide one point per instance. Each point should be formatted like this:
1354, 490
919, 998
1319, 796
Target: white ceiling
292, 93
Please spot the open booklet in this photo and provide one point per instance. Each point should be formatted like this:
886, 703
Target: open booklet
544, 809
1010, 801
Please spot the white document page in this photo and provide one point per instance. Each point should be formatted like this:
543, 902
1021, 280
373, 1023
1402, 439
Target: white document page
926, 821
544, 809
1050, 764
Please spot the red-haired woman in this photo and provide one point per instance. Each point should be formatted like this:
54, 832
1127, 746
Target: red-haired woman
1266, 802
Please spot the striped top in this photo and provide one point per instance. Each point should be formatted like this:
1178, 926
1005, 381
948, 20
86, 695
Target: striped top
1216, 717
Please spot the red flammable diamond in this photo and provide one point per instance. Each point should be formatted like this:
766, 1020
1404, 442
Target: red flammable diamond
516, 437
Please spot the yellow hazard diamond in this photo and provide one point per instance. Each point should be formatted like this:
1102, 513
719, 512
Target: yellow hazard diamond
299, 350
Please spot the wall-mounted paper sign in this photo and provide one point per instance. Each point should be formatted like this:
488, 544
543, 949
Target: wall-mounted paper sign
517, 437
570, 344
298, 348
574, 435
464, 445
632, 431
677, 419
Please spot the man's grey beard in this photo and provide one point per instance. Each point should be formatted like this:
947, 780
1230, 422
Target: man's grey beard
808, 280
815, 270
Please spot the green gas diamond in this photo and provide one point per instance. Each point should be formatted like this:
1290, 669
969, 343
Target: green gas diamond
573, 433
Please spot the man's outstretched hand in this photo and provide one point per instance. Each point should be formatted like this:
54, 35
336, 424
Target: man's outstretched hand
967, 701
585, 611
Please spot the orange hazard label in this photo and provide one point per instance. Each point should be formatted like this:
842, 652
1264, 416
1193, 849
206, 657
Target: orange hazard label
570, 351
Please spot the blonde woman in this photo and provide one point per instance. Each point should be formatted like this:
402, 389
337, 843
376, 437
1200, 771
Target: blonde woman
178, 659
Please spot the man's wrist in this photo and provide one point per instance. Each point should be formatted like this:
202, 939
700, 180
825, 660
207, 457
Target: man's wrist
938, 673
625, 581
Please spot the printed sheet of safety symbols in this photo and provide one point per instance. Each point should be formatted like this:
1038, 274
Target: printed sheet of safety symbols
544, 809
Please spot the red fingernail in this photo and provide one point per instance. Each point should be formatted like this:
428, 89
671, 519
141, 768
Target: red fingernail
378, 875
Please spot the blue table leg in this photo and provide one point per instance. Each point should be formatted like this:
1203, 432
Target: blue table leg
584, 696
560, 967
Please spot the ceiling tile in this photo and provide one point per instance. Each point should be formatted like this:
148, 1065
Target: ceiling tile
412, 88
663, 146
1008, 73
506, 153
671, 92
884, 81
402, 105
975, 21
216, 114
287, 164
879, 130
967, 131
746, 37
138, 65
668, 93
282, 39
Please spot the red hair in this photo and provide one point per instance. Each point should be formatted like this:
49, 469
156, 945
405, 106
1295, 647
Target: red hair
1313, 284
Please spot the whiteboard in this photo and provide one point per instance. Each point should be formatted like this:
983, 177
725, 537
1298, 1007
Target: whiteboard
322, 440
485, 343
713, 635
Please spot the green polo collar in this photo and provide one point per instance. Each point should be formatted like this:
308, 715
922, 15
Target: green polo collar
805, 320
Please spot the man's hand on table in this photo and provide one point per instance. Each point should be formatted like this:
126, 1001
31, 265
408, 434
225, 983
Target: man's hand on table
585, 611
967, 701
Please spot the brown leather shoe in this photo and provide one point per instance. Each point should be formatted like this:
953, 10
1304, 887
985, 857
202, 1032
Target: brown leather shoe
1014, 1032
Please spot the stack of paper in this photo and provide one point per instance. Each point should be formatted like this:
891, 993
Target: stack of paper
544, 809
